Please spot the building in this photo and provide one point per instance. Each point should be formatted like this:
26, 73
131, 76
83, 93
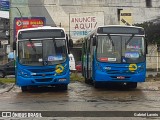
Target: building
79, 17
4, 28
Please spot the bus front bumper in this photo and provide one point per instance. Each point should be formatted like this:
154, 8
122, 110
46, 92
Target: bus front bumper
43, 81
104, 77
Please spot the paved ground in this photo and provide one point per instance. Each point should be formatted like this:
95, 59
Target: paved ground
83, 97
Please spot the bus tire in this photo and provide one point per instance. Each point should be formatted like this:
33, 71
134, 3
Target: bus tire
85, 78
63, 87
97, 85
24, 88
86, 81
89, 81
132, 85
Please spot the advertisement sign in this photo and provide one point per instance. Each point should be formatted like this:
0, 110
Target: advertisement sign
80, 24
126, 17
25, 22
4, 5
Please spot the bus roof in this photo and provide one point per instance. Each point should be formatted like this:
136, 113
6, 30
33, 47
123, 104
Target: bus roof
119, 26
95, 31
41, 28
41, 32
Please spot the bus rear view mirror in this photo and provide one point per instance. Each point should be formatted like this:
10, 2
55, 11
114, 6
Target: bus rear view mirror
14, 45
70, 43
94, 41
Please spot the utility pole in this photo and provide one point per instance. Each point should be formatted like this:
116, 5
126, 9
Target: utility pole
11, 17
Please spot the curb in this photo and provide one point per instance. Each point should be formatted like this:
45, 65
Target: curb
7, 88
150, 75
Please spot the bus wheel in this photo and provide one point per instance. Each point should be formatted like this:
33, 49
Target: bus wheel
97, 85
132, 85
87, 81
63, 87
24, 88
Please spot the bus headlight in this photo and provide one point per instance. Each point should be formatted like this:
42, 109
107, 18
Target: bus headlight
23, 73
99, 67
141, 68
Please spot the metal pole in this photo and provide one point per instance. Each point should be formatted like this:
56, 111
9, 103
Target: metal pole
69, 27
14, 52
20, 15
157, 59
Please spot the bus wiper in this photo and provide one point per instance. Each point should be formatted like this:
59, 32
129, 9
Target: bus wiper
111, 41
33, 47
129, 39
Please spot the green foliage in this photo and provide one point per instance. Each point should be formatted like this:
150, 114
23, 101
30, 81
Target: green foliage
7, 80
152, 31
76, 77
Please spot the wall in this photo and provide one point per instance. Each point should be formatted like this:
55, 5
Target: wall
153, 58
58, 12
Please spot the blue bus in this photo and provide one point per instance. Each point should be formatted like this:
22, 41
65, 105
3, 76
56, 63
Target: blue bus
42, 57
114, 54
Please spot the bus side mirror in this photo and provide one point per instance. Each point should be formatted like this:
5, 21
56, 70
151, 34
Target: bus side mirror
94, 41
14, 45
70, 43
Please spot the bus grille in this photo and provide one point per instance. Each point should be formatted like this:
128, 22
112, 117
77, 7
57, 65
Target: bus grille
119, 72
41, 70
44, 80
120, 77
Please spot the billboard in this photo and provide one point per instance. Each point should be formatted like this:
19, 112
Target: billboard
4, 5
80, 24
126, 17
25, 22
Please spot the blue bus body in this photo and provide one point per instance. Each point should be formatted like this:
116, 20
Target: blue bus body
111, 55
41, 75
42, 57
118, 72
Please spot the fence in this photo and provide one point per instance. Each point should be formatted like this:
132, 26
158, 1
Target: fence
153, 58
153, 63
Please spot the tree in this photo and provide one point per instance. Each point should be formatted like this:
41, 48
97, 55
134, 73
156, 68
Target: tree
152, 31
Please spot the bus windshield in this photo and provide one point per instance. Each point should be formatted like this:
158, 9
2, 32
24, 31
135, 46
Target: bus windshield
42, 52
120, 49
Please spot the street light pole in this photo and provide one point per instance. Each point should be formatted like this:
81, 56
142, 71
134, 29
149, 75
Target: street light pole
12, 16
19, 14
69, 26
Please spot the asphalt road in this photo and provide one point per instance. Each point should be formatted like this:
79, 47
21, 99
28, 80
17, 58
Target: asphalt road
83, 97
